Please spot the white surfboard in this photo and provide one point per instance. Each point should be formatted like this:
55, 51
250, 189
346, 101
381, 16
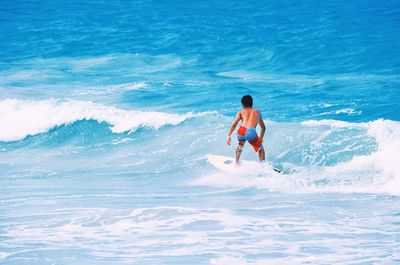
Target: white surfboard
227, 164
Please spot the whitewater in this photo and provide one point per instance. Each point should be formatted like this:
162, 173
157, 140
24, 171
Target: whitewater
108, 111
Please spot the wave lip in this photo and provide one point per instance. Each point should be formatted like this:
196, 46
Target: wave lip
22, 118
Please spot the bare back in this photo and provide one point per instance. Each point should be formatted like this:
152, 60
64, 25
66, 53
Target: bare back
250, 117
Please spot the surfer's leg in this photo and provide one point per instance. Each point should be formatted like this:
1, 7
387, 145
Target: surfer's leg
256, 142
241, 140
239, 151
261, 153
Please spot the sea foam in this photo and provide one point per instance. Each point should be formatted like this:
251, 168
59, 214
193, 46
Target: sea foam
380, 170
22, 118
375, 171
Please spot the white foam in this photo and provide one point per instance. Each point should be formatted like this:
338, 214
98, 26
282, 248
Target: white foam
334, 124
348, 111
110, 89
80, 64
21, 118
28, 75
237, 260
4, 255
374, 172
234, 237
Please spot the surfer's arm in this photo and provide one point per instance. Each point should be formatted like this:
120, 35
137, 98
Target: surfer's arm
233, 127
262, 125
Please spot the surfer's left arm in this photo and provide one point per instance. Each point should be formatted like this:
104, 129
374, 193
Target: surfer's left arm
262, 125
234, 124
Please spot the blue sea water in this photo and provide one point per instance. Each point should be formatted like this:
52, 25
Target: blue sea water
109, 108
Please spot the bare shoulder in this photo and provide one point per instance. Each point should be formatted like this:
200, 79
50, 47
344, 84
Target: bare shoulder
258, 113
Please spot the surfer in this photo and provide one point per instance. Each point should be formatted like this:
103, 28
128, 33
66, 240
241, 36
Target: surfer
247, 131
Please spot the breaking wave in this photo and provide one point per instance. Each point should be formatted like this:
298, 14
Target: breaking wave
22, 118
375, 171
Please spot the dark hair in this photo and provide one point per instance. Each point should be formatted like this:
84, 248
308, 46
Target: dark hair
247, 101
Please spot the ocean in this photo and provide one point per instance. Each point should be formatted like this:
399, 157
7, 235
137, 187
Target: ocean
108, 110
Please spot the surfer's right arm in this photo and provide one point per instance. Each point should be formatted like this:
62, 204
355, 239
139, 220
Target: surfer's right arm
262, 125
234, 124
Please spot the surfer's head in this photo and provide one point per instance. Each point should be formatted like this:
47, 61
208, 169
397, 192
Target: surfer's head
247, 101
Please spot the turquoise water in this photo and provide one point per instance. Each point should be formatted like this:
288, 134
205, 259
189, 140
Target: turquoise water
108, 110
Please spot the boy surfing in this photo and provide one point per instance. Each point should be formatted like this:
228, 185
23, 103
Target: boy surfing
247, 131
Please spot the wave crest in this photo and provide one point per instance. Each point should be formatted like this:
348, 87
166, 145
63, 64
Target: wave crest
22, 118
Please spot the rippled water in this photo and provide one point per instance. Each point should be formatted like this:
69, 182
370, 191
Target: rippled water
108, 110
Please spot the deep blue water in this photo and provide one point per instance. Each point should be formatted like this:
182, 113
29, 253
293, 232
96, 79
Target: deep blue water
109, 108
